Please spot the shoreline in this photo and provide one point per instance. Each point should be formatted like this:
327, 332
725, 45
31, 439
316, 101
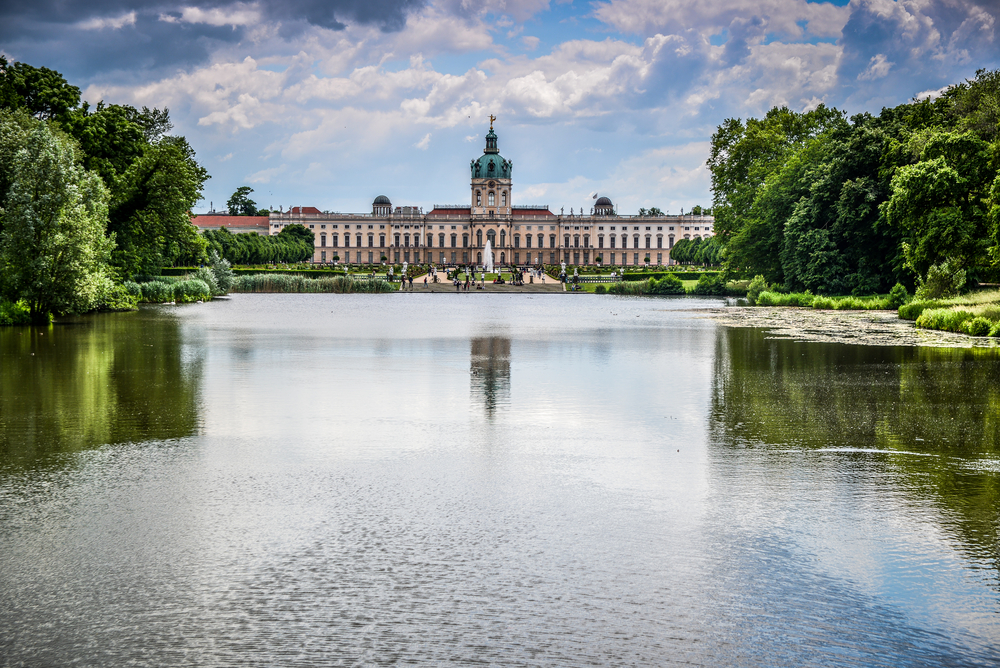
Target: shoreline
870, 328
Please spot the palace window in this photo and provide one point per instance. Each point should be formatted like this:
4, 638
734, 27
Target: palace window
527, 241
659, 242
359, 241
441, 240
503, 238
465, 241
347, 240
576, 241
335, 241
600, 241
503, 198
406, 240
454, 241
479, 198
371, 240
612, 237
381, 240
396, 239
671, 241
479, 237
492, 197
552, 242
517, 241
566, 241
322, 240
586, 241
648, 241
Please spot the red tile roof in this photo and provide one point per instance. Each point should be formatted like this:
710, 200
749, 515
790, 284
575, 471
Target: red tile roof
304, 209
451, 212
240, 223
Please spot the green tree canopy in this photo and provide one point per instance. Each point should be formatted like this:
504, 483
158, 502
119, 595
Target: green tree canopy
43, 92
240, 203
53, 250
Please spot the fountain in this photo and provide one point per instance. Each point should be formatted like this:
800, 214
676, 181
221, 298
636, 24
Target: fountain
488, 257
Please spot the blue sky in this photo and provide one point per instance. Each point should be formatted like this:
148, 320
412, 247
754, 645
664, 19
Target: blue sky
328, 104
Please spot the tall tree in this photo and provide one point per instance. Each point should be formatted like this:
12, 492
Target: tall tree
53, 250
43, 92
240, 203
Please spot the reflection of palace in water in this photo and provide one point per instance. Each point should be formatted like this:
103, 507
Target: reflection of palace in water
490, 370
458, 233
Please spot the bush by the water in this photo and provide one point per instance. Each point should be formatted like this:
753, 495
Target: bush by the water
192, 290
757, 286
629, 288
667, 285
14, 313
945, 319
978, 326
600, 289
898, 296
710, 285
290, 283
157, 292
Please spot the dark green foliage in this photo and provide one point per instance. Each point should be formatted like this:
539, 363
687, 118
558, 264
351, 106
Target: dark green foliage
668, 285
813, 201
706, 252
599, 289
293, 244
14, 313
978, 326
296, 284
898, 296
240, 203
912, 310
157, 292
710, 285
192, 290
44, 93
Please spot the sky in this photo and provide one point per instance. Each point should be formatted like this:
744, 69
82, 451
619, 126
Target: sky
331, 103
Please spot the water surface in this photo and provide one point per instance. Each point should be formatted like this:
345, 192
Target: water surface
492, 480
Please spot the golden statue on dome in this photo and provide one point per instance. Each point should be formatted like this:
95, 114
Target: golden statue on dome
492, 118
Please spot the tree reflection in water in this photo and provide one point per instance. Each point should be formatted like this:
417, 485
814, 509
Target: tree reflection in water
871, 405
108, 378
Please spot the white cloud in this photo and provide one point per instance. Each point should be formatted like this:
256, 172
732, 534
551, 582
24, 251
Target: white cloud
878, 68
424, 143
237, 14
113, 22
530, 42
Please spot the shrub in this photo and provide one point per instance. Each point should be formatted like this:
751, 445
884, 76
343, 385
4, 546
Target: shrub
600, 289
978, 326
192, 290
223, 272
113, 297
757, 286
945, 319
995, 330
14, 313
169, 280
133, 288
157, 292
824, 303
296, 284
206, 275
629, 288
912, 310
668, 285
710, 285
768, 298
943, 280
897, 296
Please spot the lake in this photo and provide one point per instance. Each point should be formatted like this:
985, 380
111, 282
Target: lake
477, 479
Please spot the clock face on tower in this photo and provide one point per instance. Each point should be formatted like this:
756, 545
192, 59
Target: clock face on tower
492, 184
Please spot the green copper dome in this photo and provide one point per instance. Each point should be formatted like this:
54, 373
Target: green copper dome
491, 165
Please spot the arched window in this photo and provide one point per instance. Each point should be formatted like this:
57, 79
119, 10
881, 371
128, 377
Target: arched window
406, 240
566, 241
322, 240
441, 240
586, 241
503, 198
491, 236
503, 238
479, 237
517, 241
492, 198
465, 241
576, 241
600, 241
659, 241
648, 241
347, 241
479, 198
613, 240
335, 240
527, 241
371, 240
381, 240
359, 241
454, 240
396, 239
552, 241
624, 241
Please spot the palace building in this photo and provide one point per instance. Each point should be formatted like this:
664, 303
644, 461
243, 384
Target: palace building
457, 234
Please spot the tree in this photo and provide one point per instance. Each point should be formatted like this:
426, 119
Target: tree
150, 210
53, 250
43, 92
298, 233
240, 203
